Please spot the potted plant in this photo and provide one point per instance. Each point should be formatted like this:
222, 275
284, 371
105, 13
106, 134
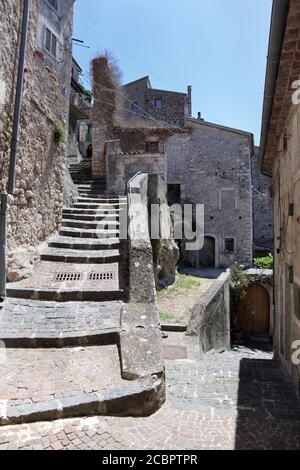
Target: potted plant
236, 334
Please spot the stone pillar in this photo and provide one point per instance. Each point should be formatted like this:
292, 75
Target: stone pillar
103, 114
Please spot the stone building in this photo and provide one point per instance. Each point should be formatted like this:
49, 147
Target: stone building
79, 119
145, 102
280, 149
210, 165
35, 208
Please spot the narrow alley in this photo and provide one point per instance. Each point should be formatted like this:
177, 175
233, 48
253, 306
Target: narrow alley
235, 400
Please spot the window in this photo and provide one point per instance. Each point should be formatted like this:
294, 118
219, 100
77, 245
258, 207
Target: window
297, 301
285, 143
229, 245
157, 104
53, 3
135, 107
152, 147
51, 43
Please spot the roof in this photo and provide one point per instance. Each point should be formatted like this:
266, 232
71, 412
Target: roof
74, 61
219, 126
146, 78
276, 81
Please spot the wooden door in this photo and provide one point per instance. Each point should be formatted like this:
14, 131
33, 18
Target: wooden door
207, 254
254, 314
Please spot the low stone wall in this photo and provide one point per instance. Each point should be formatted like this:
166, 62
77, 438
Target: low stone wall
141, 272
210, 317
141, 349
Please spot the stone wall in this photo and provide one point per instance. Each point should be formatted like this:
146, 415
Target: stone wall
141, 272
103, 113
35, 209
210, 317
262, 205
212, 167
173, 109
120, 167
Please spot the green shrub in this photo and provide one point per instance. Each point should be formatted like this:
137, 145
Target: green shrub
239, 282
58, 132
267, 262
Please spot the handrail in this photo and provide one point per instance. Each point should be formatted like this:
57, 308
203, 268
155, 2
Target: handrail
131, 179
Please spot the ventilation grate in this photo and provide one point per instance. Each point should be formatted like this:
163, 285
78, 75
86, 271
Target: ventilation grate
104, 276
64, 277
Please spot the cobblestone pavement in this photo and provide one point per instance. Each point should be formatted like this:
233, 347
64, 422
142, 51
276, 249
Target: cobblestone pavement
21, 317
234, 400
37, 375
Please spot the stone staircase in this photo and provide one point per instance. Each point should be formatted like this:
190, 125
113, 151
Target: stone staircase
85, 260
74, 299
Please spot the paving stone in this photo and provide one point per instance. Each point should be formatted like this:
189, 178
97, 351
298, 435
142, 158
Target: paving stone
24, 319
199, 422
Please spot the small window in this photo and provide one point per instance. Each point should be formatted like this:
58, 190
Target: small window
297, 301
152, 147
229, 245
157, 104
135, 107
53, 3
51, 43
285, 143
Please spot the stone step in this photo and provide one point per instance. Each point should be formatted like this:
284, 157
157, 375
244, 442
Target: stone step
66, 294
84, 256
96, 212
102, 200
85, 233
85, 243
86, 180
100, 225
34, 323
90, 217
99, 206
91, 194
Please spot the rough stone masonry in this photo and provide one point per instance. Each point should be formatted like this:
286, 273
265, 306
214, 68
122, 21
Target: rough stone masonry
35, 208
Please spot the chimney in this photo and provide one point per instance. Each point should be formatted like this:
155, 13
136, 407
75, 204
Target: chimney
189, 89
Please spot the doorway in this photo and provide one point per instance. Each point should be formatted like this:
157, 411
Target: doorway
254, 313
207, 256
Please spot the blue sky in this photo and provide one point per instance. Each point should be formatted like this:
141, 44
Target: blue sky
217, 46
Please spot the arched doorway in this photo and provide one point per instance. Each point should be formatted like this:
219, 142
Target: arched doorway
207, 257
254, 313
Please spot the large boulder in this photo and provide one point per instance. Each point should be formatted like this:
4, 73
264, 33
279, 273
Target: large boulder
166, 255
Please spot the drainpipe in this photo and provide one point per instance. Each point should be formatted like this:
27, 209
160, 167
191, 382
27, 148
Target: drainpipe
14, 147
